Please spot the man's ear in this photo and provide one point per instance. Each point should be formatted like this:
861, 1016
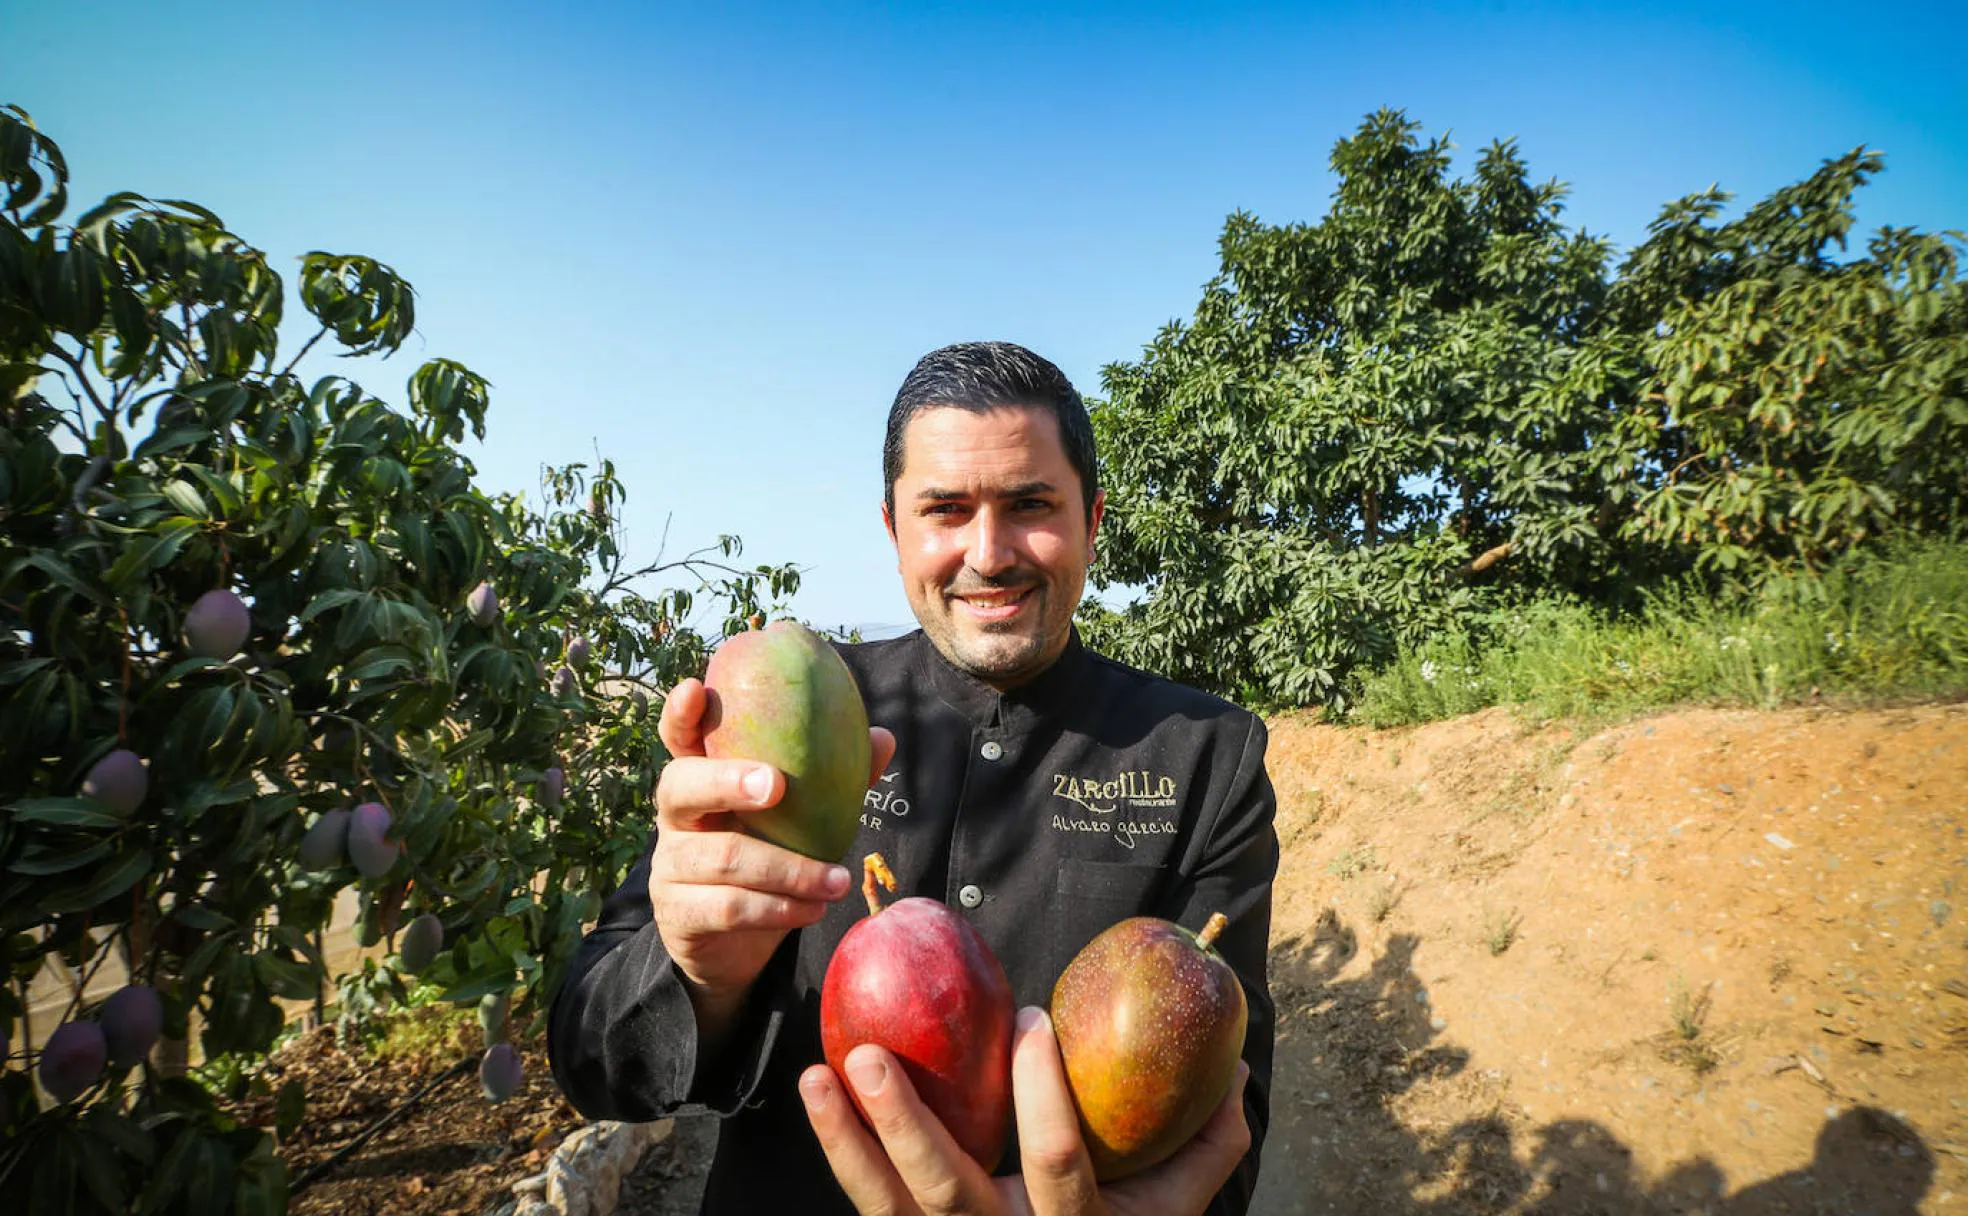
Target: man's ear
888, 522
1093, 517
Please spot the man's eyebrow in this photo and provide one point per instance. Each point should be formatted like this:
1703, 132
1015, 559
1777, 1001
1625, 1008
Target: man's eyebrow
1024, 489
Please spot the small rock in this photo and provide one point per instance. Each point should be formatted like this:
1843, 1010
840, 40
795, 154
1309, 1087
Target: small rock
564, 1194
1779, 840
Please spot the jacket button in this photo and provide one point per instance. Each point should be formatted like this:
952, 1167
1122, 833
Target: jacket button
970, 896
991, 750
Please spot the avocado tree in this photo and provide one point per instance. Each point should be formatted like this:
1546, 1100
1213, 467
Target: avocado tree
1313, 468
1438, 400
1801, 399
262, 641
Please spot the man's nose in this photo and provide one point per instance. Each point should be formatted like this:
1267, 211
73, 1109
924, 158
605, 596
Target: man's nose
990, 551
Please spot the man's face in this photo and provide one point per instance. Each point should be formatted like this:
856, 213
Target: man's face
991, 537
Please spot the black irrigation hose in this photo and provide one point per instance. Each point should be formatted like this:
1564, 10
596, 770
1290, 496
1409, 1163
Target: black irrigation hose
319, 1168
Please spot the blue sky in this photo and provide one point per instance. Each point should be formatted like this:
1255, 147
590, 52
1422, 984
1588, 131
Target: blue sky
709, 240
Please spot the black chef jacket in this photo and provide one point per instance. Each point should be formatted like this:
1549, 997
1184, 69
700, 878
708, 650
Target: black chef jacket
1043, 815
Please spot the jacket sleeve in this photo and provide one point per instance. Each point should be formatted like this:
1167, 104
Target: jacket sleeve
622, 1036
1229, 868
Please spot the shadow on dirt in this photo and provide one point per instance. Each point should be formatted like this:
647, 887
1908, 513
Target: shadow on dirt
1350, 1049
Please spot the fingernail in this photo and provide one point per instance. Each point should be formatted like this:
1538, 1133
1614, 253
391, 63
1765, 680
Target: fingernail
868, 1071
813, 1091
1033, 1018
837, 880
757, 784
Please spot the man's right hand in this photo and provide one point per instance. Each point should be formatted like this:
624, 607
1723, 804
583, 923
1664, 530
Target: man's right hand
723, 900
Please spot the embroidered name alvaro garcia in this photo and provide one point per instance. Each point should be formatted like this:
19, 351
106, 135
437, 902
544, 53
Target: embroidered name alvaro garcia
1124, 831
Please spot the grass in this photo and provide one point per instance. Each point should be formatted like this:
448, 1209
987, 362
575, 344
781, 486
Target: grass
1353, 863
426, 1035
1382, 898
1688, 1011
1500, 931
1881, 627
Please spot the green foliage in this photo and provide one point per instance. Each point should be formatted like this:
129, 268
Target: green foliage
157, 448
1875, 626
1816, 403
1437, 400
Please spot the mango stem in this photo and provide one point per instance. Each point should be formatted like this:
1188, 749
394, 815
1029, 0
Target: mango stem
874, 870
1215, 925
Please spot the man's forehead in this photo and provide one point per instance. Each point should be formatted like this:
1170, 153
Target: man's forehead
953, 431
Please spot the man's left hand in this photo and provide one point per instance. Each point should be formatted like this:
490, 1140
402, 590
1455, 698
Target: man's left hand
911, 1165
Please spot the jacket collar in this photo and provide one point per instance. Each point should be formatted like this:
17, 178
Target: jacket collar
1016, 710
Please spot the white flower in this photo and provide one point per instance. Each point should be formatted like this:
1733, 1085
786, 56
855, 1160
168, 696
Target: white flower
1428, 670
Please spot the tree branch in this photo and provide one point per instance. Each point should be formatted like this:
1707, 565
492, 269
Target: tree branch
302, 353
690, 562
69, 424
88, 480
82, 376
196, 364
1490, 557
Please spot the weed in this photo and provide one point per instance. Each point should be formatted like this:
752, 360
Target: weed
1382, 897
1500, 931
1688, 1009
1353, 863
425, 1035
1694, 1055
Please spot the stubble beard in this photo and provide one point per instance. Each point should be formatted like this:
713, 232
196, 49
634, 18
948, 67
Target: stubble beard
998, 654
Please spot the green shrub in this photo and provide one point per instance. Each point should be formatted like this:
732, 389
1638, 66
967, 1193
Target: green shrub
1879, 626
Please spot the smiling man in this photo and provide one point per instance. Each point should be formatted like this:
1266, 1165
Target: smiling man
993, 528
1041, 790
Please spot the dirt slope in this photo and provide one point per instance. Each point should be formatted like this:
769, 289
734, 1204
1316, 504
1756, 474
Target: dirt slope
1711, 961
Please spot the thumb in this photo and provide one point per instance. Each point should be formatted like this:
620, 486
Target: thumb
1058, 1173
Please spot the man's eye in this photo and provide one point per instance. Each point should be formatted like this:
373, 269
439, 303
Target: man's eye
1034, 504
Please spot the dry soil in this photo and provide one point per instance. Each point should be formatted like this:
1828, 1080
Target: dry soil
1709, 961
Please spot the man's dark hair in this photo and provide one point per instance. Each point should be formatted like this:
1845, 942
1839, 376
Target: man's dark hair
983, 376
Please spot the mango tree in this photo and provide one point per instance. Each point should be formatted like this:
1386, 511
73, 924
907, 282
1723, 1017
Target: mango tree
263, 640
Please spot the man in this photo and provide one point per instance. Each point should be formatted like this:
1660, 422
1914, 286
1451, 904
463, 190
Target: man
1042, 791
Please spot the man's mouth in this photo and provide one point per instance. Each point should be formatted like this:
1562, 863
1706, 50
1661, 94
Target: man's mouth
997, 604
